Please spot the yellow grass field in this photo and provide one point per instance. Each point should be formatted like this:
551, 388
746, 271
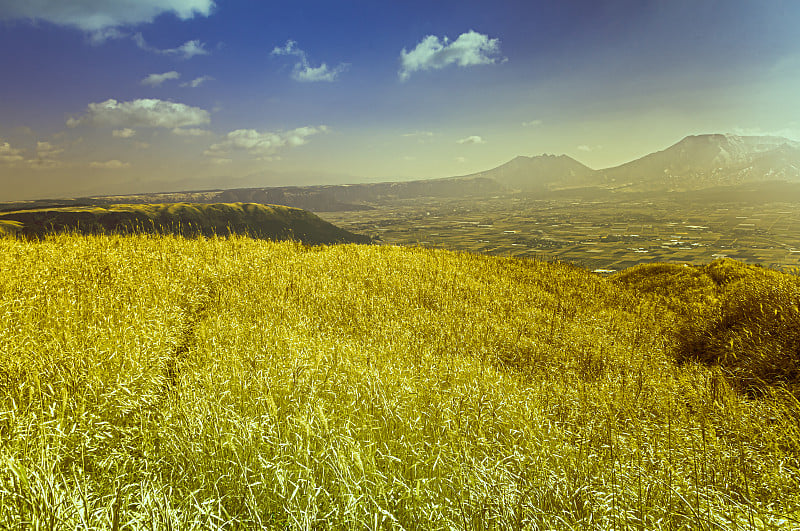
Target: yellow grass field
158, 382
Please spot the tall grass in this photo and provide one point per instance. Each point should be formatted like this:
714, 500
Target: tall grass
166, 383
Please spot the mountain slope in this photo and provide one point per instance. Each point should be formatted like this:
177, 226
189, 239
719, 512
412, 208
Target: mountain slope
260, 221
704, 161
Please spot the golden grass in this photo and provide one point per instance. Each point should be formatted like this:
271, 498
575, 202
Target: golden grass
166, 383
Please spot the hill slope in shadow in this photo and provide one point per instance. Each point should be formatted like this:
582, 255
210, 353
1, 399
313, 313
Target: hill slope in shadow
256, 220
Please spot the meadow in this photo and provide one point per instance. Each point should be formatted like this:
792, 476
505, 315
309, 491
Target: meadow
162, 382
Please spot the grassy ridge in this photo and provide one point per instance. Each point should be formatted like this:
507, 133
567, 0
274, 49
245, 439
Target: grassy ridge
159, 382
255, 220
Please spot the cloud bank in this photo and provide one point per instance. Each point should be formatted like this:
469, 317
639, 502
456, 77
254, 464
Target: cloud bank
263, 145
141, 113
46, 154
303, 71
469, 49
100, 15
9, 154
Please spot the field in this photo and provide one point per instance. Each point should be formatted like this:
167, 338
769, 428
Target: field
157, 382
610, 233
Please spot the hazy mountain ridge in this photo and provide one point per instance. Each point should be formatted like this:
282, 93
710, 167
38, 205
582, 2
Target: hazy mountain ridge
695, 163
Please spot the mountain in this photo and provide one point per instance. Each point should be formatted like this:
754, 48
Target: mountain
256, 220
705, 161
540, 173
696, 162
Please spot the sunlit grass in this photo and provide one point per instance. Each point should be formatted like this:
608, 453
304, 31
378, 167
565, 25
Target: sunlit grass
166, 383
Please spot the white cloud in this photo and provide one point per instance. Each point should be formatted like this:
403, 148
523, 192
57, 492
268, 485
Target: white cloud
532, 123
100, 36
461, 160
196, 82
303, 71
9, 154
123, 133
471, 48
155, 80
474, 139
187, 50
113, 164
584, 147
421, 136
98, 16
190, 132
320, 73
262, 145
143, 112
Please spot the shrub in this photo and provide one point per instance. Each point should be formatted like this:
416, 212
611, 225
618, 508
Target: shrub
754, 332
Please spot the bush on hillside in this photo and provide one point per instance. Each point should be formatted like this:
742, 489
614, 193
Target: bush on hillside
754, 332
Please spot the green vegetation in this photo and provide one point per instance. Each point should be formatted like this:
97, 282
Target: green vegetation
157, 382
255, 220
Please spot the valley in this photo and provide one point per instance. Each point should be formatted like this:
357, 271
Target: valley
607, 233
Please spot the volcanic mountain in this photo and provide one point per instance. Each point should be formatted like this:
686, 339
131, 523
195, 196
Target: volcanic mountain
541, 173
705, 161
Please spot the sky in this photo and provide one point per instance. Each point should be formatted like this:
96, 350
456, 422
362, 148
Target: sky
133, 96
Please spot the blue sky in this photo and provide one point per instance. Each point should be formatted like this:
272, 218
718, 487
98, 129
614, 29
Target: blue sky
126, 96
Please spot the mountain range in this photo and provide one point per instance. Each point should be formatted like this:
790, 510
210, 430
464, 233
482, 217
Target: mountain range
696, 163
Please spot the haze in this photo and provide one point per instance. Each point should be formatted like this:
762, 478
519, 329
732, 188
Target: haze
106, 97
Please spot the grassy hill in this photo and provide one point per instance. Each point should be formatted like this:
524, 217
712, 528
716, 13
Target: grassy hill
255, 220
160, 382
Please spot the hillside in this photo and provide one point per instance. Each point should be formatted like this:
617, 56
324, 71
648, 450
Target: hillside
255, 220
163, 382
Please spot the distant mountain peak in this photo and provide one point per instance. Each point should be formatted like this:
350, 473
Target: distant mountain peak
702, 161
539, 172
